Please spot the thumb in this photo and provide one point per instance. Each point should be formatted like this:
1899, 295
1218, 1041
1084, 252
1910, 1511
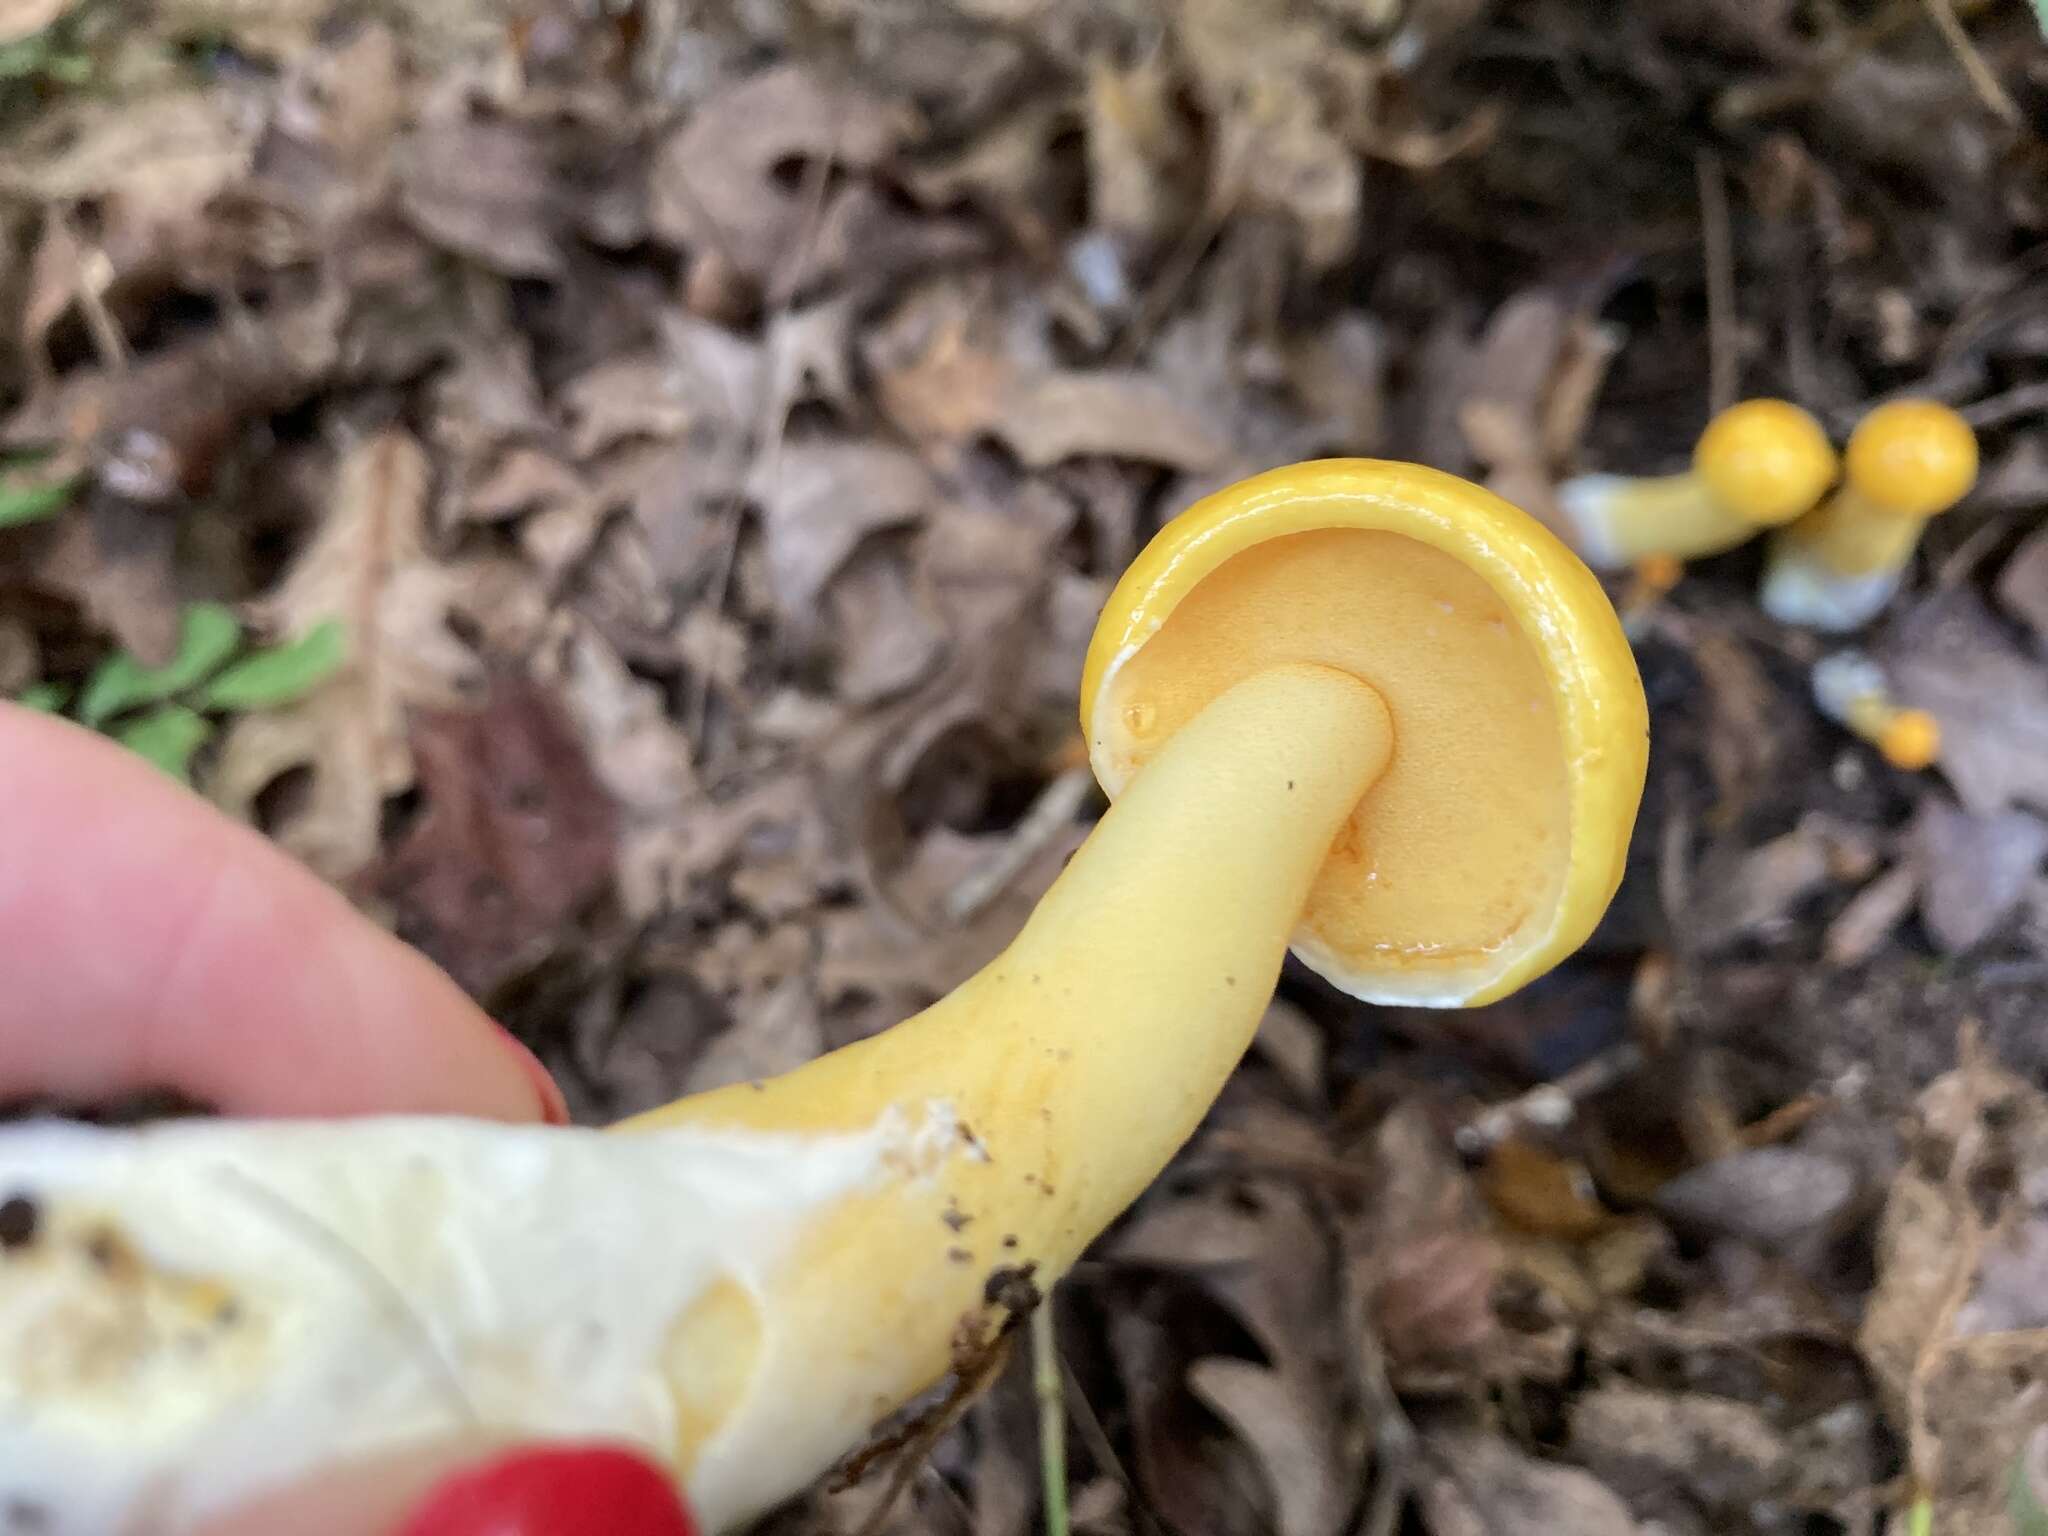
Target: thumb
474, 1487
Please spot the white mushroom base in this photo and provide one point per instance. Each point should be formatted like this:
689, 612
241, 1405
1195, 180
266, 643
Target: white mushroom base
204, 1310
1590, 504
1798, 589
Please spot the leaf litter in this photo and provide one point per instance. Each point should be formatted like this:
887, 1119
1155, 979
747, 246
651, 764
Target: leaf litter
624, 491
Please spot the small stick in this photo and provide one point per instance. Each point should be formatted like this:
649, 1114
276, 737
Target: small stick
1052, 1417
1051, 813
1723, 366
2015, 404
1548, 1106
1994, 95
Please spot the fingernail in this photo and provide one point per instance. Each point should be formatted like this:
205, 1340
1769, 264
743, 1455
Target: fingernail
553, 1107
555, 1491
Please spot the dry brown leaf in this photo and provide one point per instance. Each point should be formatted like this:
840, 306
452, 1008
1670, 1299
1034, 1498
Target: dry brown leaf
1861, 928
514, 837
1741, 741
2023, 585
523, 480
777, 1034
1432, 1309
1477, 1484
886, 638
1291, 1418
641, 756
158, 428
484, 190
114, 558
939, 367
1724, 1454
1005, 168
1744, 894
1779, 1198
367, 567
1975, 870
155, 161
819, 500
623, 398
1279, 83
1141, 155
1339, 374
713, 184
1125, 415
1948, 655
280, 28
1284, 1419
1954, 1329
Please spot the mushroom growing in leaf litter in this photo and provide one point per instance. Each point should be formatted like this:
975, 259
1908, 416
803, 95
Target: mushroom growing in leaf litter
1837, 567
1851, 689
1759, 464
1362, 708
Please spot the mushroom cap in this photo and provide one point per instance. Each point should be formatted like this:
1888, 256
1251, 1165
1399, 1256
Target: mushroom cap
1496, 837
1765, 461
1912, 457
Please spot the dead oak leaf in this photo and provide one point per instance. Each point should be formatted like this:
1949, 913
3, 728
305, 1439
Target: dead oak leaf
368, 568
1114, 413
1953, 1331
514, 837
643, 760
819, 500
115, 557
1287, 1408
714, 187
1975, 870
1948, 655
2023, 584
483, 189
1477, 1484
151, 161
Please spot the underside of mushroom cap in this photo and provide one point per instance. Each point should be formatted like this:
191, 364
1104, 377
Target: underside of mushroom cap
1495, 839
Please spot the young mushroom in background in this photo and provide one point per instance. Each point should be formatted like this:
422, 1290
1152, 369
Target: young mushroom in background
1362, 708
1852, 690
1837, 567
1759, 464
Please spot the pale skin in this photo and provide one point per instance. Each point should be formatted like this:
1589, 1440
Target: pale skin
150, 943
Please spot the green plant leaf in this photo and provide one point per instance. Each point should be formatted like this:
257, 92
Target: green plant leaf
282, 675
32, 503
168, 737
208, 634
44, 698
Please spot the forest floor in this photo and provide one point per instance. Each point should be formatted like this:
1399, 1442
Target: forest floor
715, 429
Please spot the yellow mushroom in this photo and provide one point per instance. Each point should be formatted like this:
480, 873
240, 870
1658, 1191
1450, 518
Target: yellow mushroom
1838, 566
1759, 464
1362, 708
1852, 690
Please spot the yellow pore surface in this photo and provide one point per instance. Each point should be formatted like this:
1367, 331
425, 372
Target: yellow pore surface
1764, 461
1494, 839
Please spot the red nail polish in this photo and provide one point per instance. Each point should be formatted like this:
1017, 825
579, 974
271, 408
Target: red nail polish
555, 1491
553, 1107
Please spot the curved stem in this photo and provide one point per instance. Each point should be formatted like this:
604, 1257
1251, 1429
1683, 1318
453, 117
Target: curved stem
1075, 1064
1619, 520
1848, 535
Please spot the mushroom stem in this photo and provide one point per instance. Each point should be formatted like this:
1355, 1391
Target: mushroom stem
1851, 535
1617, 521
1074, 1066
